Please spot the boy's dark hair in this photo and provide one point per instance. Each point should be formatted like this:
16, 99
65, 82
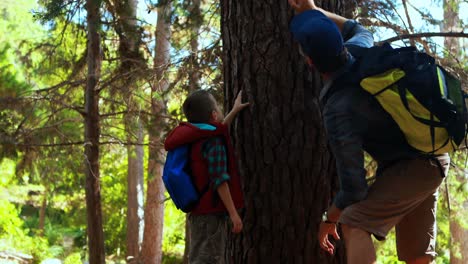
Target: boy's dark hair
198, 106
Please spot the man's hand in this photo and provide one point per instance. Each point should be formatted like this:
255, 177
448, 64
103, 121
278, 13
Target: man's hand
236, 223
325, 230
302, 5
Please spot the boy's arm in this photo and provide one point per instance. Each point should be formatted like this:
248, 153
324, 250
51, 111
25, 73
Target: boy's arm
225, 195
304, 5
238, 106
215, 153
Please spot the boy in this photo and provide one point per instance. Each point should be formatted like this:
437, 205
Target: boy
214, 173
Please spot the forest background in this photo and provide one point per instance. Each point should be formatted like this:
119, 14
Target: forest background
88, 90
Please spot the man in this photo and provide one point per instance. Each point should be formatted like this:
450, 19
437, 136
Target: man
404, 194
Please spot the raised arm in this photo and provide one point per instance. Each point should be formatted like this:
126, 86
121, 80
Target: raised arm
304, 5
238, 106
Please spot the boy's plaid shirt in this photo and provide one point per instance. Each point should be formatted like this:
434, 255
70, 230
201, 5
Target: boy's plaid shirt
215, 152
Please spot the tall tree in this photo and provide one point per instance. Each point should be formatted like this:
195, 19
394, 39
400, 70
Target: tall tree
92, 133
154, 209
451, 23
130, 71
196, 20
286, 168
458, 234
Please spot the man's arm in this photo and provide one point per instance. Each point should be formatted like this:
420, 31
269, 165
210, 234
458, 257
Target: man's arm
304, 5
346, 146
238, 106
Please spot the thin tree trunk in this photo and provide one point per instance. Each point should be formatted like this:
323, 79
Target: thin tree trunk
287, 171
459, 237
451, 23
154, 210
92, 133
194, 84
134, 189
196, 20
42, 211
131, 68
459, 234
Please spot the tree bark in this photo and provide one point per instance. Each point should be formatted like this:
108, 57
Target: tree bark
287, 171
131, 68
92, 133
42, 211
451, 23
154, 210
196, 21
459, 237
135, 190
459, 234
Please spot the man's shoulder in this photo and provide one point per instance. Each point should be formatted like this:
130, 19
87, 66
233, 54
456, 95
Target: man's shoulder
354, 34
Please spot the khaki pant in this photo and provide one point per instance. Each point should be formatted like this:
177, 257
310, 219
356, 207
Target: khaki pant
404, 196
208, 238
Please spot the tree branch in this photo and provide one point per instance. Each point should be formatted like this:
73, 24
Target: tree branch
426, 35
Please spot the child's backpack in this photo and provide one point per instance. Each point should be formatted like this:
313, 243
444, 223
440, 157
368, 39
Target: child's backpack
426, 101
178, 180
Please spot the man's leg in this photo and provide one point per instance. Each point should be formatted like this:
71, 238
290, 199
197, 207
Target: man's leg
359, 246
416, 233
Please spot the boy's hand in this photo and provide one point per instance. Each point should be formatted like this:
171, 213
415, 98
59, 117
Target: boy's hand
236, 108
302, 5
238, 105
236, 223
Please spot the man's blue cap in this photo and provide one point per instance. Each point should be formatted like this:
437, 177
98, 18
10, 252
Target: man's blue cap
319, 37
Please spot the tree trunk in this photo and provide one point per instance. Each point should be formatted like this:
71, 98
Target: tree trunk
131, 68
451, 23
287, 171
459, 237
135, 190
196, 21
42, 211
92, 133
154, 210
459, 234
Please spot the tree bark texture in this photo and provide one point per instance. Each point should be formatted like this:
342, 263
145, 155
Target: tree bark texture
92, 133
287, 171
459, 234
451, 23
196, 21
131, 68
154, 210
459, 237
135, 192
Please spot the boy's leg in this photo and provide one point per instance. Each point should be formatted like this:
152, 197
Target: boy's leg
359, 246
207, 239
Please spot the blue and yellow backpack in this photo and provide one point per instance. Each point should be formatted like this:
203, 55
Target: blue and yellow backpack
426, 101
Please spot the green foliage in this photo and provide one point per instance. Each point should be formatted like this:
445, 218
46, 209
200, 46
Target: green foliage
174, 230
114, 199
13, 235
74, 258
